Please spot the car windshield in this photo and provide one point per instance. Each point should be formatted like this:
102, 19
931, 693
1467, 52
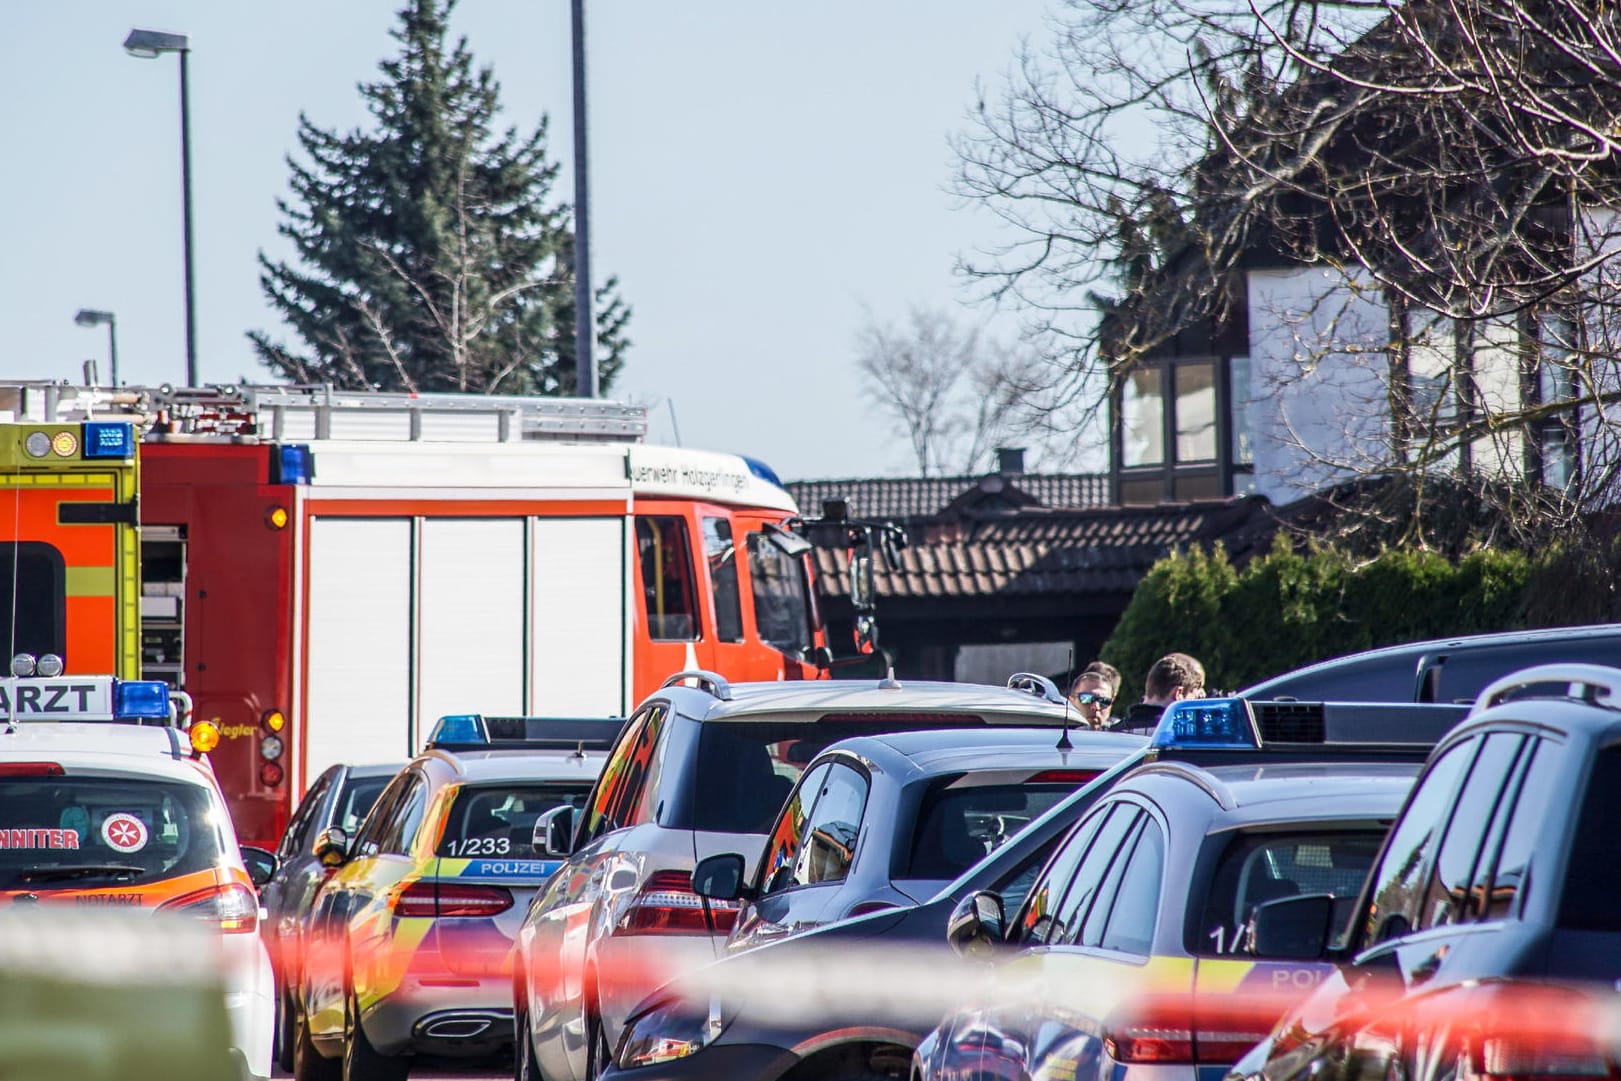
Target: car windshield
1260, 867
499, 820
355, 799
746, 769
960, 824
96, 832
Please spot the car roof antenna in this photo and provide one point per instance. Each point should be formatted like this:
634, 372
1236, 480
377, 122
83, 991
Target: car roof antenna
1063, 741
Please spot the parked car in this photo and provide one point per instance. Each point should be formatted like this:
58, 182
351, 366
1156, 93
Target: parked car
409, 943
886, 821
768, 1026
1443, 669
699, 770
338, 800
1128, 944
1493, 900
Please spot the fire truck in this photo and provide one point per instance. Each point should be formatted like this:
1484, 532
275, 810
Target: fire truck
328, 572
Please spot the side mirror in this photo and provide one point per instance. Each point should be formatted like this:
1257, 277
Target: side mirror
554, 831
332, 847
719, 878
261, 865
977, 925
1292, 928
861, 584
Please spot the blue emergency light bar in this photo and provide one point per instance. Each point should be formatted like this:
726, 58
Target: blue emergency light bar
474, 731
1237, 724
108, 439
1208, 724
141, 699
291, 463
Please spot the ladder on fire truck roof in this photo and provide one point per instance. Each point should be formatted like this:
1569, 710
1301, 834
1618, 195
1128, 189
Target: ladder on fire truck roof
251, 413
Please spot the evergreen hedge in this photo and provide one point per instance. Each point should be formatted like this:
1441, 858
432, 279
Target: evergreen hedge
1290, 608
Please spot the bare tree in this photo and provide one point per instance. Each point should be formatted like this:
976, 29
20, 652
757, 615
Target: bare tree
1440, 180
956, 393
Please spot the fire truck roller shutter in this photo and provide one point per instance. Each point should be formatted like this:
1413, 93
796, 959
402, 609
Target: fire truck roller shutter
359, 642
470, 640
579, 656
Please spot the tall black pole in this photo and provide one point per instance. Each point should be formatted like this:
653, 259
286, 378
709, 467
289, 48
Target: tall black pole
185, 195
112, 346
585, 367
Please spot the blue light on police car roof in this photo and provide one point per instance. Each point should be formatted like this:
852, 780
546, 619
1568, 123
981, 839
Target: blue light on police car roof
459, 728
141, 698
291, 463
1209, 724
763, 471
108, 439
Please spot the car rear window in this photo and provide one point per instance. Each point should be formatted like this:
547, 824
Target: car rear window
959, 824
499, 820
1593, 876
745, 769
100, 832
1259, 867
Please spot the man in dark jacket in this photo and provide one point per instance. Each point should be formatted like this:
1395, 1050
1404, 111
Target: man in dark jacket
1172, 678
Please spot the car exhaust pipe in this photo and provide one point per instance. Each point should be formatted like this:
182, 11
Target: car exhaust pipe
459, 1025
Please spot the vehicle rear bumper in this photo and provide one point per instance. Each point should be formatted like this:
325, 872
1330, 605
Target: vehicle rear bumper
472, 1019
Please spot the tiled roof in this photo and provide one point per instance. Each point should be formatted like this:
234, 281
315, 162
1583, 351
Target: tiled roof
902, 498
1047, 551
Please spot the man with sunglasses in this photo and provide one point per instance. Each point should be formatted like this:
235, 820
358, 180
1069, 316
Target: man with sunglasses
1172, 678
1093, 693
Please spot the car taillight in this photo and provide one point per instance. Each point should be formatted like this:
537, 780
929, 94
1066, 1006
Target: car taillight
232, 907
433, 899
667, 905
1064, 776
31, 769
1155, 1031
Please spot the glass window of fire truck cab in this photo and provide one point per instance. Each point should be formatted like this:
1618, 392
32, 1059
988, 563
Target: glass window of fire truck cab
33, 599
667, 585
782, 604
721, 555
81, 832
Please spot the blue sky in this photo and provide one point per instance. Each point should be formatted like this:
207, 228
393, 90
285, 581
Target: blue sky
763, 175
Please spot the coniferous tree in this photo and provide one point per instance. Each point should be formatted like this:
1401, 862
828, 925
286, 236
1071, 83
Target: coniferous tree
431, 256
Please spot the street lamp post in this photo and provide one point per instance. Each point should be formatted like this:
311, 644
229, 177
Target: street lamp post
89, 317
585, 368
148, 44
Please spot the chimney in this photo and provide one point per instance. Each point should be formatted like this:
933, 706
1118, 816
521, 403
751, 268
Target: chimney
1010, 461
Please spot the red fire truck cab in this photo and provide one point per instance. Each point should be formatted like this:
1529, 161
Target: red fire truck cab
327, 573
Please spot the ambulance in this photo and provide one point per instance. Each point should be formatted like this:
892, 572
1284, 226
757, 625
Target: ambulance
107, 802
326, 573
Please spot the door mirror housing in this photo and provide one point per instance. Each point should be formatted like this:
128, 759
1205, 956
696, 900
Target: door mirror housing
719, 878
1292, 928
261, 864
554, 832
861, 583
977, 925
332, 847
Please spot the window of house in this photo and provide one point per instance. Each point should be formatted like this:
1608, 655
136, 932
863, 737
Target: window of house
1195, 412
1239, 396
1142, 419
666, 558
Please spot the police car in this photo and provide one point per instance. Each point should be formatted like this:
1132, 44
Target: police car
1487, 941
1131, 945
408, 944
106, 803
